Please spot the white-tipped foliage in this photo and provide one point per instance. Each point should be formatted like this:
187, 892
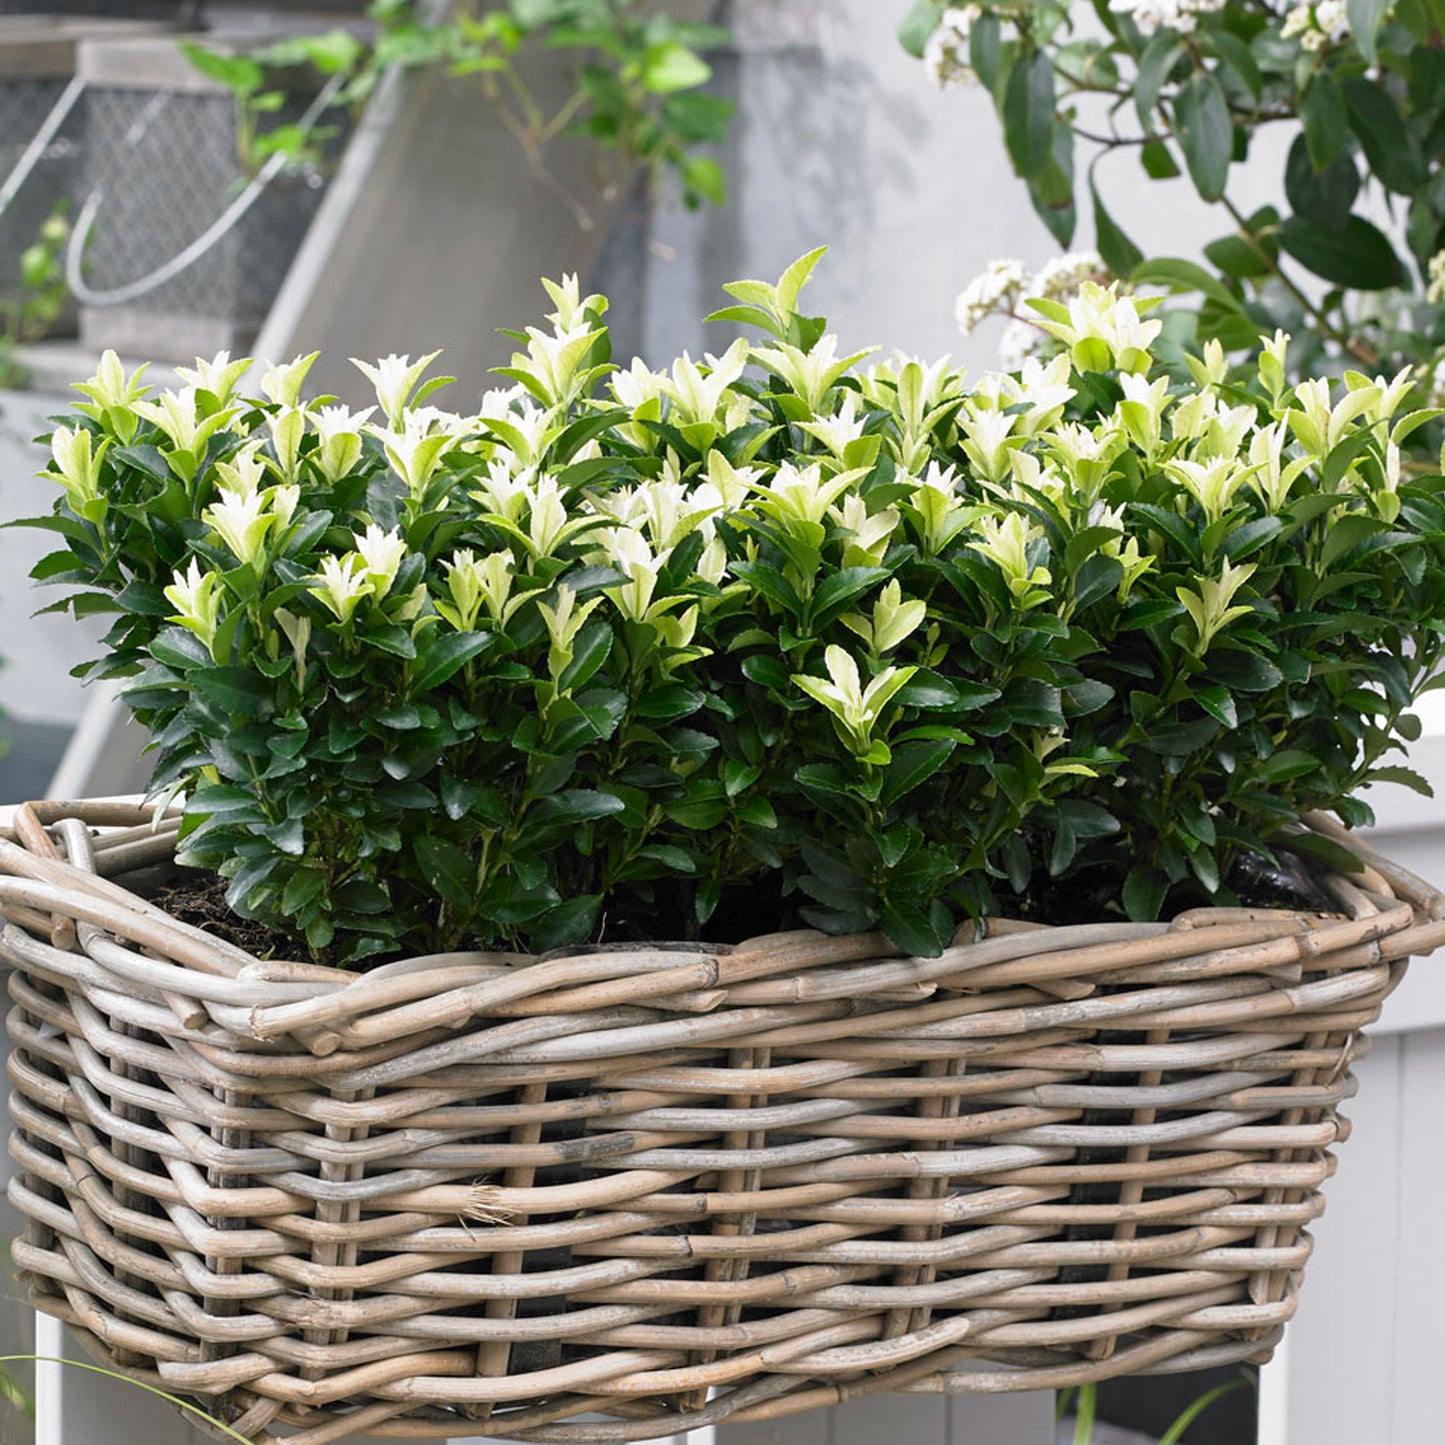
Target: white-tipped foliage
876, 645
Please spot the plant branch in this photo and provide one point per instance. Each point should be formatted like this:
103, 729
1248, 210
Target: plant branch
1352, 344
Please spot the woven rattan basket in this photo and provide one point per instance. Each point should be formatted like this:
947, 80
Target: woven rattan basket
478, 1194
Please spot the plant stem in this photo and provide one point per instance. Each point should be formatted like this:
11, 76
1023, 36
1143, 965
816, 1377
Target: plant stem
1356, 348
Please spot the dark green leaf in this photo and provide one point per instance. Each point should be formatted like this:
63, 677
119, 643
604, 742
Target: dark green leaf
1326, 121
985, 49
1358, 255
843, 586
1028, 113
1237, 258
767, 670
1366, 17
180, 649
304, 886
145, 598
590, 650
448, 870
567, 924
1034, 704
1393, 153
1160, 56
1334, 855
920, 934
1179, 739
1288, 763
1052, 192
1243, 671
444, 655
913, 764
738, 775
1326, 195
1185, 276
1085, 697
574, 805
1206, 868
1205, 132
146, 459
771, 583
1158, 163
1237, 58
673, 700
359, 895
234, 690
1144, 891
1405, 777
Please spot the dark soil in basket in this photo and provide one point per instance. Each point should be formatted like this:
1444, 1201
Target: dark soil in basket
199, 899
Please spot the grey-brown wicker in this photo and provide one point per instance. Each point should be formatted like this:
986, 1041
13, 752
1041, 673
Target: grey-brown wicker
485, 1194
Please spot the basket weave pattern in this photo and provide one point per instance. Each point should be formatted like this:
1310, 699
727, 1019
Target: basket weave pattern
479, 1194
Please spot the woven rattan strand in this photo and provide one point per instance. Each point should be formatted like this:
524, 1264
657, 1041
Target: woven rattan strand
481, 1194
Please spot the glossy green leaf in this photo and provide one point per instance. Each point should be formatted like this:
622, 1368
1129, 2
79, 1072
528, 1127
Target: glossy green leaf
1184, 276
1143, 894
1392, 151
1205, 132
1161, 55
985, 48
1325, 118
1052, 193
1358, 255
1324, 196
1028, 113
1158, 163
445, 656
1366, 17
920, 21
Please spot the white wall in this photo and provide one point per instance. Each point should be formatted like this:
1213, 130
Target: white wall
841, 140
36, 655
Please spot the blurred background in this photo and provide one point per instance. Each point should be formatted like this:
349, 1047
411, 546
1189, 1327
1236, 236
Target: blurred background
141, 210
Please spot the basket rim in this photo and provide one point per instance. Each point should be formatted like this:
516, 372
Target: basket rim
1385, 907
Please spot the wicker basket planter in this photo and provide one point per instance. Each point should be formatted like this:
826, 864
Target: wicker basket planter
480, 1194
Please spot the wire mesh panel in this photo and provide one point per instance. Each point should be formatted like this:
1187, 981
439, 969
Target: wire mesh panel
24, 105
166, 165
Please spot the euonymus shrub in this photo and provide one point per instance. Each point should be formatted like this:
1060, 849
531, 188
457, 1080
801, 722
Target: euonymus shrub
626, 646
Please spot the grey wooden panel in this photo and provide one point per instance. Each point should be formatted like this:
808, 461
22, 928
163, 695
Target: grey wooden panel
196, 1438
695, 1439
1341, 1343
17, 1320
1420, 1261
200, 1439
812, 1427
99, 1409
877, 1419
1001, 1419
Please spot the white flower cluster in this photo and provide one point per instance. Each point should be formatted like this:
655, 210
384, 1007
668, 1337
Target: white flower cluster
1003, 286
996, 292
946, 55
1435, 287
1062, 277
1152, 15
1325, 22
